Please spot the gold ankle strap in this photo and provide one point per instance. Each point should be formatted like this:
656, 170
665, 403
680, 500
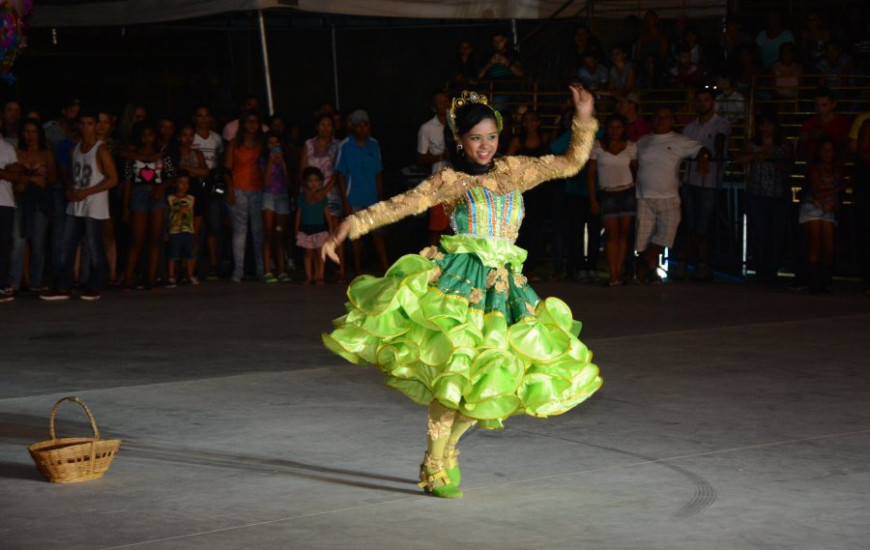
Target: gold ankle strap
430, 480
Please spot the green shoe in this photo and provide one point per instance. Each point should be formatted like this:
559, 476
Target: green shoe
283, 278
269, 278
451, 466
435, 481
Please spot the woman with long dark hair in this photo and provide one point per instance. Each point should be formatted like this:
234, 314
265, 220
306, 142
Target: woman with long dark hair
613, 171
34, 205
457, 328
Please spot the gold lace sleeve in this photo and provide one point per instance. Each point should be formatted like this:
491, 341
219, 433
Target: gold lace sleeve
444, 187
528, 172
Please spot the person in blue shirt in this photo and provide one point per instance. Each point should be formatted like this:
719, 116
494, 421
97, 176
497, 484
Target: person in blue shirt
360, 180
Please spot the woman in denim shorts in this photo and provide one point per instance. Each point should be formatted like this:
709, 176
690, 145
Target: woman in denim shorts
613, 166
146, 177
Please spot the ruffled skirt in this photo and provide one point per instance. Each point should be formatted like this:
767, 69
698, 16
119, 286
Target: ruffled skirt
443, 325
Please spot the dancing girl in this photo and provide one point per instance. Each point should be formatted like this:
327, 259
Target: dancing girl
457, 327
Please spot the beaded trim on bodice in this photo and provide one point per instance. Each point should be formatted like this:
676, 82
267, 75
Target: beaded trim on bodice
483, 213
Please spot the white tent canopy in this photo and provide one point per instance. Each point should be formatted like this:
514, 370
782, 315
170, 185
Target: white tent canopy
69, 13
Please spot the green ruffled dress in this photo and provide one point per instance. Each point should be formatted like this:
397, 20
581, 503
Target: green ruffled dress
460, 324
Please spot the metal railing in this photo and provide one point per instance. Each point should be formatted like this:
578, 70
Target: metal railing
548, 98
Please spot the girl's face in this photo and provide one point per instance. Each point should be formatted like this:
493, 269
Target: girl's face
148, 136
617, 56
252, 125
274, 143
278, 126
139, 114
767, 128
182, 184
615, 129
464, 48
481, 142
826, 152
186, 137
167, 129
312, 182
31, 135
531, 121
325, 128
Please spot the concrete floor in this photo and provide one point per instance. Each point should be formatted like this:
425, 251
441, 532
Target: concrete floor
732, 417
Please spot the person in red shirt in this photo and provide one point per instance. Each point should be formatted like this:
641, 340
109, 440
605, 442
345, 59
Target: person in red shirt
636, 126
827, 124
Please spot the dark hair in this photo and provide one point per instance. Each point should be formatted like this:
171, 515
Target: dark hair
275, 117
500, 32
185, 125
529, 113
824, 91
39, 129
312, 170
321, 116
470, 115
139, 129
615, 117
90, 113
436, 94
778, 133
182, 173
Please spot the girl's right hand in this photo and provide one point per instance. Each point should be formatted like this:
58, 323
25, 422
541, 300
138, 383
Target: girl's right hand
335, 240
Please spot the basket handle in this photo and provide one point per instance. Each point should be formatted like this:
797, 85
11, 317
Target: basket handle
85, 407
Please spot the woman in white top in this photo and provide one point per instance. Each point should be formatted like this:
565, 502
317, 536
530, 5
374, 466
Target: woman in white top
613, 166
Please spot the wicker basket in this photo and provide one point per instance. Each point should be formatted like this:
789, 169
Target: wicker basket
71, 459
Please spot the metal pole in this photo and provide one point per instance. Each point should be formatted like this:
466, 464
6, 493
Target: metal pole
266, 69
514, 31
335, 70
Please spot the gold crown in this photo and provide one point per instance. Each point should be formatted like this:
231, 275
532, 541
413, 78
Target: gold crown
465, 98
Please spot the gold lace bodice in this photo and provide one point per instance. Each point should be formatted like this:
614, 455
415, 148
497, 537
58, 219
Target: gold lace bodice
447, 187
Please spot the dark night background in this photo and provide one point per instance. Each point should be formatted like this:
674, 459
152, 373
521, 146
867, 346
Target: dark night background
390, 67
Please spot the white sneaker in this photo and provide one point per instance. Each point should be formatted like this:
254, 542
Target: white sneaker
194, 281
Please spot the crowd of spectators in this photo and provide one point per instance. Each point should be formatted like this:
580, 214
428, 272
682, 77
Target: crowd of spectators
785, 66
91, 199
